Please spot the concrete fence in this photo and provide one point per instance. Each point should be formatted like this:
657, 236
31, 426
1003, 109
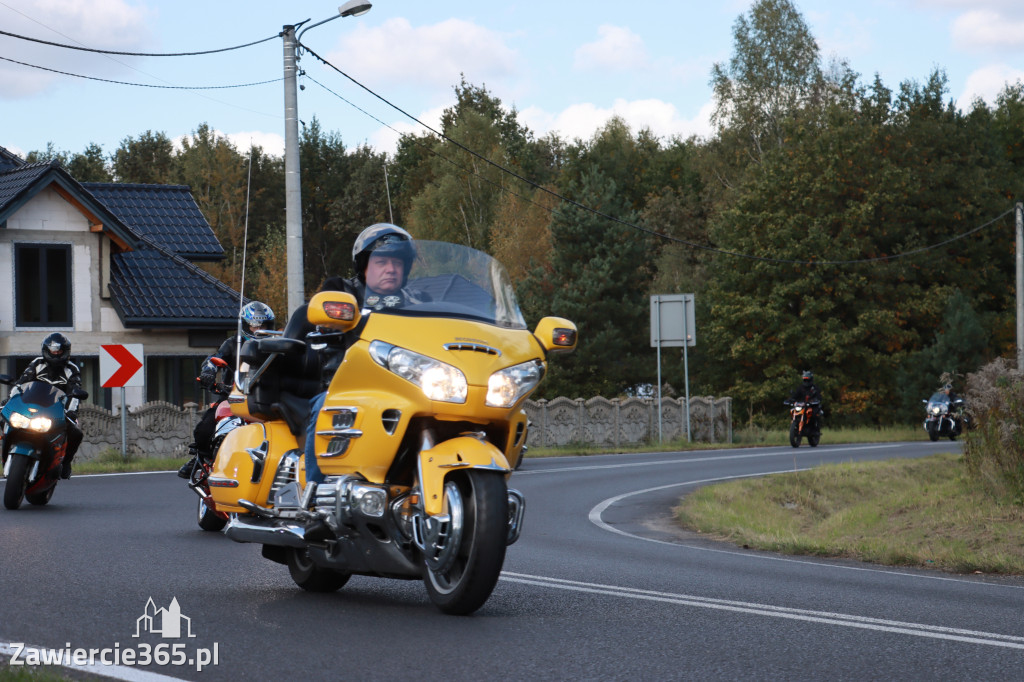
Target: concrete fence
162, 429
617, 422
156, 429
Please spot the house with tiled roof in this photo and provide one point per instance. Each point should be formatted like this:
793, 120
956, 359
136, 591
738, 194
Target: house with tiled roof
109, 263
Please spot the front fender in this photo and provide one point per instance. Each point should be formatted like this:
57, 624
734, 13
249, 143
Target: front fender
24, 448
464, 452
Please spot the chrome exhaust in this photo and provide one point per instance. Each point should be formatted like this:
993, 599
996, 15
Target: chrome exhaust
266, 533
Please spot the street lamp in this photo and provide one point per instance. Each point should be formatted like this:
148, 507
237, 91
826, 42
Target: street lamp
292, 183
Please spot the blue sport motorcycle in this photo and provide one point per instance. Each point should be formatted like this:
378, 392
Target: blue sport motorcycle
35, 441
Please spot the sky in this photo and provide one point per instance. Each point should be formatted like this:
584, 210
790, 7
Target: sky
565, 66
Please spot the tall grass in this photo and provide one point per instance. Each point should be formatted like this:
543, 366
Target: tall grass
994, 445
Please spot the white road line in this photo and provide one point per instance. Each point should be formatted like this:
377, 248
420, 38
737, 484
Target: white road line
692, 460
825, 617
597, 511
117, 672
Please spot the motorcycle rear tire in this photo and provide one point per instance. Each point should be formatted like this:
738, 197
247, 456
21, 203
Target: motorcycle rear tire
794, 434
814, 440
311, 577
209, 519
469, 577
14, 488
42, 498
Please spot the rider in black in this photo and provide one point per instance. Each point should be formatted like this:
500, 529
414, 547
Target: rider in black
255, 317
807, 392
54, 367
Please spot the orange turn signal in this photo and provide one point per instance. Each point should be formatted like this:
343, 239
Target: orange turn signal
563, 337
337, 310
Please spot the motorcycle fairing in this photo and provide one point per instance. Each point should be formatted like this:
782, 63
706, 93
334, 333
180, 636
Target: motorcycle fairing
246, 463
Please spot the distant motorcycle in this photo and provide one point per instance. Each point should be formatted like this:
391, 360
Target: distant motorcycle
35, 441
803, 423
944, 417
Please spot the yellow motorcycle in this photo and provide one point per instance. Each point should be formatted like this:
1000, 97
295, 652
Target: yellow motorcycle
421, 426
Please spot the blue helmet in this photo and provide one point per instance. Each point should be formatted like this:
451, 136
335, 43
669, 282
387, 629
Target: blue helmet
255, 317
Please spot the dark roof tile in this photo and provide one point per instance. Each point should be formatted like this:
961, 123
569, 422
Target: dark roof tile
167, 214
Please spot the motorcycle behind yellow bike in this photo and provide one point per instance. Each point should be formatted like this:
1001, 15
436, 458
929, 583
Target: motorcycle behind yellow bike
420, 429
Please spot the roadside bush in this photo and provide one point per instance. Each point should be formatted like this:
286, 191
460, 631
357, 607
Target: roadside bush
994, 445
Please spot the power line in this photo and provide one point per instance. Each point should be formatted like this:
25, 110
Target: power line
661, 235
136, 54
141, 85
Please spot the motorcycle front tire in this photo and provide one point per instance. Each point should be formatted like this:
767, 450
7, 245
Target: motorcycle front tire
470, 574
933, 431
14, 488
794, 434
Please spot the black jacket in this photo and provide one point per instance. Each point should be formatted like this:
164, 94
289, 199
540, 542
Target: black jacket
67, 378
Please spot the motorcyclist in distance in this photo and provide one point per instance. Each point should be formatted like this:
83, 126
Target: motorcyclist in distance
54, 367
807, 392
255, 317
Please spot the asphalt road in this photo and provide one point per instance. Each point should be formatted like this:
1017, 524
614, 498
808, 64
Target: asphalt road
600, 587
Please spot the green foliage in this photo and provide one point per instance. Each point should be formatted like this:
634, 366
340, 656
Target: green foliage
994, 446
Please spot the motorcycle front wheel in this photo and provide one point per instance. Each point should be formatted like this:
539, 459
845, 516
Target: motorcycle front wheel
466, 557
794, 434
933, 431
14, 489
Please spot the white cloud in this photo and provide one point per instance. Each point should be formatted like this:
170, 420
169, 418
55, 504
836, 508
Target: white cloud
272, 143
987, 29
583, 120
96, 24
386, 139
986, 83
396, 52
617, 49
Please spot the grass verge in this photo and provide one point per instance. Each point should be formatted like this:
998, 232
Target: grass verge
922, 512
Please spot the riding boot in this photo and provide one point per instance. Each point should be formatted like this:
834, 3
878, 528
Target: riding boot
186, 469
65, 466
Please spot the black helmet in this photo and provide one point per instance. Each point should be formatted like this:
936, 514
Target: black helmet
383, 239
256, 316
807, 376
56, 350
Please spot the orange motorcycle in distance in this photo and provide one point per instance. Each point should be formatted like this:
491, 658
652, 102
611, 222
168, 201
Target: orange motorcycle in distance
420, 429
804, 423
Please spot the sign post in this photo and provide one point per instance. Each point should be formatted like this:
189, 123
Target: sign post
119, 368
673, 324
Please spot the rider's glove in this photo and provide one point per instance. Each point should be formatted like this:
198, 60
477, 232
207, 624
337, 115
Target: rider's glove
73, 416
208, 376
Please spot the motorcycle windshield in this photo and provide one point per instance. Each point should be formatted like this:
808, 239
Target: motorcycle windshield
40, 393
939, 402
450, 280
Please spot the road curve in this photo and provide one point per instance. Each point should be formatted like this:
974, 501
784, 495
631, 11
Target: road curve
600, 586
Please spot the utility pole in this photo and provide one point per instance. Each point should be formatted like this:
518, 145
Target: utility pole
1020, 284
296, 286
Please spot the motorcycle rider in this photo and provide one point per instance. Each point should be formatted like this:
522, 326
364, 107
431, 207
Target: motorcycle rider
807, 392
54, 367
255, 317
382, 256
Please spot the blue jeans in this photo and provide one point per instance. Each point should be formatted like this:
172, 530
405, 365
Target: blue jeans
313, 472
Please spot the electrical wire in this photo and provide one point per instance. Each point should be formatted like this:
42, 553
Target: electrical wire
142, 85
137, 54
625, 223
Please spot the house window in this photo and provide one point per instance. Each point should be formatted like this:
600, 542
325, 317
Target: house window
42, 290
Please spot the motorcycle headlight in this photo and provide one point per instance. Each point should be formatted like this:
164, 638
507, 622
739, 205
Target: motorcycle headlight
40, 424
438, 380
506, 387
